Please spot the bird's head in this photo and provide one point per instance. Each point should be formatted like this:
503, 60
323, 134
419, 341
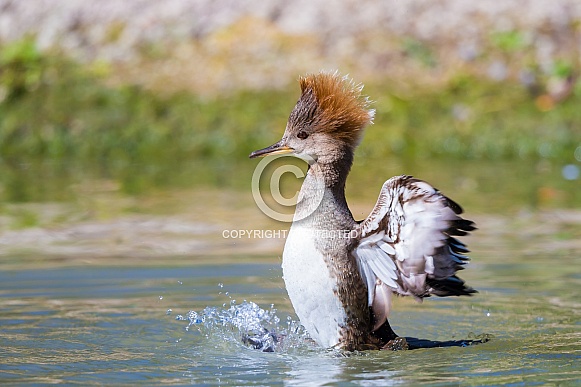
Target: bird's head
327, 121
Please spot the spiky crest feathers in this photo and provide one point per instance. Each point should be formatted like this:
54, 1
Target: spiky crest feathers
332, 104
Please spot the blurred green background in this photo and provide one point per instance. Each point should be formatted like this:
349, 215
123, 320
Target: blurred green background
112, 108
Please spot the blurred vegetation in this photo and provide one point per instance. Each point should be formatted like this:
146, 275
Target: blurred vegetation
476, 119
54, 107
56, 113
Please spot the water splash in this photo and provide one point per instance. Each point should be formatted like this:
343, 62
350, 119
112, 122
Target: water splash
248, 324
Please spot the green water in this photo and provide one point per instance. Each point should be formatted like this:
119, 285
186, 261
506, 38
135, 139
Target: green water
93, 279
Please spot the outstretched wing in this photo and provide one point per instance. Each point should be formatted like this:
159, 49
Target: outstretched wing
407, 245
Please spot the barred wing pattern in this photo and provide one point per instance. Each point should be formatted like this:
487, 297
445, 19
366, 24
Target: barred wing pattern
407, 245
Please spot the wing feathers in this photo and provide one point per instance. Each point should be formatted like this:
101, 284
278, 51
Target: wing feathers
451, 286
407, 244
381, 304
457, 246
368, 277
386, 247
380, 263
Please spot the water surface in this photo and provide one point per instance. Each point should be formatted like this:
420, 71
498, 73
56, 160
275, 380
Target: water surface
100, 286
104, 324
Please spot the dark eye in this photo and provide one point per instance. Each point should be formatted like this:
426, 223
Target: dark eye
302, 135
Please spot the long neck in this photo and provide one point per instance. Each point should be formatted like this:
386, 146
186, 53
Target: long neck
334, 175
322, 197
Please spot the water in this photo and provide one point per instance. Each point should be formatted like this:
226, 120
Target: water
113, 324
106, 288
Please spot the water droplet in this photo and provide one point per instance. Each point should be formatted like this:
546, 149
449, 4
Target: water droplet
168, 312
258, 328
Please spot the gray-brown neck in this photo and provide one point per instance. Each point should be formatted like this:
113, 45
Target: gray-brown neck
322, 200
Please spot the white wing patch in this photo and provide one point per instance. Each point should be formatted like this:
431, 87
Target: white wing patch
406, 245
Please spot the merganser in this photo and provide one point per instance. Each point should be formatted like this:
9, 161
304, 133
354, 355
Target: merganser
340, 274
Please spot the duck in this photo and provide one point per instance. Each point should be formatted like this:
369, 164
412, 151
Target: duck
340, 274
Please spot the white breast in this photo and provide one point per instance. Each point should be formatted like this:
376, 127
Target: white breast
311, 288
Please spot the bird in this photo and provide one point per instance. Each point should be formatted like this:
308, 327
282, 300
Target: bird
341, 274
